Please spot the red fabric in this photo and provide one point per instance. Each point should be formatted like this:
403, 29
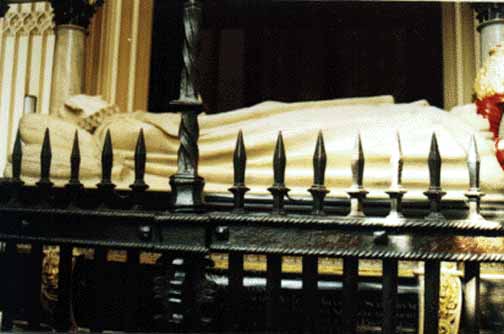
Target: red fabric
491, 108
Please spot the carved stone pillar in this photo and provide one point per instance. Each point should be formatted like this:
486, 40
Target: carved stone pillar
72, 18
187, 185
491, 27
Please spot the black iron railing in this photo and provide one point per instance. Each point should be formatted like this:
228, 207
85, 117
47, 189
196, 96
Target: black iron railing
138, 220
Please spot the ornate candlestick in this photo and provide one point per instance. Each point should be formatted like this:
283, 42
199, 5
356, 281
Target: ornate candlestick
357, 192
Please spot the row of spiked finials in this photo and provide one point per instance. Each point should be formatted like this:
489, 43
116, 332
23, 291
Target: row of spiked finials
278, 190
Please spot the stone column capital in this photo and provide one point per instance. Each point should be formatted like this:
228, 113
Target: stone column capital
488, 11
75, 12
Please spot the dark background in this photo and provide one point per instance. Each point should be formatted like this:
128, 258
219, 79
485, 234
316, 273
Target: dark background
253, 51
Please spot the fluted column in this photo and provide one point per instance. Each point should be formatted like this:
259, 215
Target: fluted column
491, 28
72, 19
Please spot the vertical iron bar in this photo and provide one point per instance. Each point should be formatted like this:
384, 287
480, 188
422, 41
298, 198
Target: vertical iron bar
235, 269
10, 286
471, 312
132, 286
62, 312
390, 279
100, 259
431, 293
273, 288
350, 294
35, 278
310, 293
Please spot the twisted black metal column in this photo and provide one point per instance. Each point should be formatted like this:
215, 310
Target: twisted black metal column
187, 185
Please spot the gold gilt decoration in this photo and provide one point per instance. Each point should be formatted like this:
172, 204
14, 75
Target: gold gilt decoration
490, 78
450, 300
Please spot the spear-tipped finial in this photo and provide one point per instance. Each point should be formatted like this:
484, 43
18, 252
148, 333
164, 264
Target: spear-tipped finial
319, 161
239, 160
434, 193
473, 164
139, 186
396, 191
45, 158
357, 192
434, 162
75, 160
474, 194
318, 189
279, 161
239, 165
396, 163
140, 160
358, 163
17, 158
278, 190
107, 160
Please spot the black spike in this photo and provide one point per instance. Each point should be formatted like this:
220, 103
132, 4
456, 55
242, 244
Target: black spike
473, 164
45, 158
318, 190
278, 190
473, 193
358, 162
107, 160
319, 161
75, 160
279, 161
239, 160
434, 162
17, 158
434, 193
140, 158
239, 165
